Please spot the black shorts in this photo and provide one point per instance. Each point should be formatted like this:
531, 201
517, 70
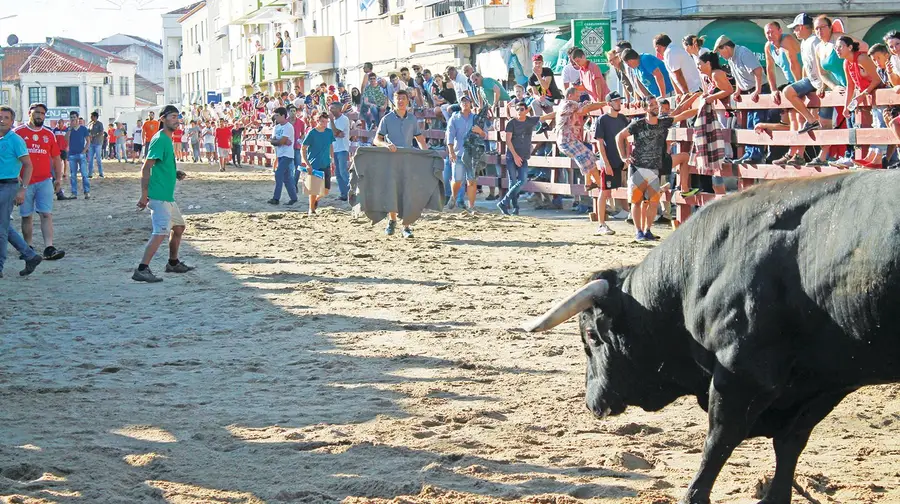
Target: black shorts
327, 171
137, 148
666, 164
64, 155
613, 181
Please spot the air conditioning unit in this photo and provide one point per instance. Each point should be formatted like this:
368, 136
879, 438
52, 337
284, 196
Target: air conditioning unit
395, 19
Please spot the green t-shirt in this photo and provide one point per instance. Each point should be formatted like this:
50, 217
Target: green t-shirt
162, 176
488, 84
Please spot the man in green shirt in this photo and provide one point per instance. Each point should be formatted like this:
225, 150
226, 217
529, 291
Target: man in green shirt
158, 178
494, 93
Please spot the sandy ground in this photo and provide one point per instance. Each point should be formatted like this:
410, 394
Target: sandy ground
316, 360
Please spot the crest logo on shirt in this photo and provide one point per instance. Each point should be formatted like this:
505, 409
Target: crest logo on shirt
46, 139
34, 137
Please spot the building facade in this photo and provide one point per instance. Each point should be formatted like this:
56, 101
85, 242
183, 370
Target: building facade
195, 60
65, 83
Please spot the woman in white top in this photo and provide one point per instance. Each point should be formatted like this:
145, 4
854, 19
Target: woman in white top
892, 41
138, 142
693, 44
286, 51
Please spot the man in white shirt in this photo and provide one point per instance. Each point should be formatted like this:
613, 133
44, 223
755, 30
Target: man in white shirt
340, 126
460, 83
681, 67
571, 74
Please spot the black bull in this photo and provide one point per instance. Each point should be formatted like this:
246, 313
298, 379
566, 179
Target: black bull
769, 306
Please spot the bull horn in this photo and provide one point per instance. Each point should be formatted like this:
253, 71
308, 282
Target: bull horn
581, 300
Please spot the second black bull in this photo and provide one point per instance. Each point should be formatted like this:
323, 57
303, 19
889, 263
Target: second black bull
769, 306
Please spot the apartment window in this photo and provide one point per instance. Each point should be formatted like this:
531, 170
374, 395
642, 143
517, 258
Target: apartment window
4, 97
343, 15
124, 86
382, 7
98, 96
66, 96
401, 4
37, 95
112, 86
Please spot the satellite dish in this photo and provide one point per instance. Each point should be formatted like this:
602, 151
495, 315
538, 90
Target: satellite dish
12, 39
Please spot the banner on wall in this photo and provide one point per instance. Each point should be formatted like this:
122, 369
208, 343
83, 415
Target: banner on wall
594, 37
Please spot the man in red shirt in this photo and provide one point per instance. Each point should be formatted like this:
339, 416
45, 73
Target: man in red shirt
223, 143
44, 153
60, 132
591, 77
299, 135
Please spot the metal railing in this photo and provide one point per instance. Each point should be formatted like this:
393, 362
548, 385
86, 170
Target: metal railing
448, 7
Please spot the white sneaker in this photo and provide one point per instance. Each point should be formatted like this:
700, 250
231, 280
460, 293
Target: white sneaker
604, 230
450, 205
622, 215
845, 162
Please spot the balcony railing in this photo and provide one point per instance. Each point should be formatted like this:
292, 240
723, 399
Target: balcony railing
448, 7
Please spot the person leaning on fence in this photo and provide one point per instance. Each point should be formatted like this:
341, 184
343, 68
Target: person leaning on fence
681, 67
862, 81
570, 115
782, 52
648, 159
652, 78
748, 78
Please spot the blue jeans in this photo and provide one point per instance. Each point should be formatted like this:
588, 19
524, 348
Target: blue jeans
284, 176
7, 232
195, 151
76, 166
517, 176
448, 175
120, 152
342, 167
95, 151
753, 152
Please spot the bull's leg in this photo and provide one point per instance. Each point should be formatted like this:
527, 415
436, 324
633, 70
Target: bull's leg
734, 406
791, 443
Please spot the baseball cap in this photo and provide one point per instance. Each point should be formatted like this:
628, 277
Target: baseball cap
168, 109
721, 41
613, 96
537, 57
801, 20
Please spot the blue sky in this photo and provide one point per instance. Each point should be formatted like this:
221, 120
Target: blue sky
87, 20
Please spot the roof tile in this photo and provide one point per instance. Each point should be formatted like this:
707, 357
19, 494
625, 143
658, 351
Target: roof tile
46, 60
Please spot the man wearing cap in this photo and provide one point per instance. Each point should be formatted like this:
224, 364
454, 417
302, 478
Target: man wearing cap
158, 177
748, 75
543, 85
606, 127
811, 81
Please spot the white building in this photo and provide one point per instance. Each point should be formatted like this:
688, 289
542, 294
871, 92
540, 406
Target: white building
173, 49
66, 83
148, 55
120, 87
10, 84
195, 60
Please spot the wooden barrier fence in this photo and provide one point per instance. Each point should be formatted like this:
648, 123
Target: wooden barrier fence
258, 151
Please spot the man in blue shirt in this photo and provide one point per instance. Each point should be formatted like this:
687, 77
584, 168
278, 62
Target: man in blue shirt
458, 128
77, 137
15, 173
651, 72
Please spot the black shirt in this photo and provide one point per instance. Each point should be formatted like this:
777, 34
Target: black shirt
606, 128
449, 95
554, 90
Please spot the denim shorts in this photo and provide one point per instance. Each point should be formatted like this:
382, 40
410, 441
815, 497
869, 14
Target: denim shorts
462, 173
804, 87
38, 198
164, 215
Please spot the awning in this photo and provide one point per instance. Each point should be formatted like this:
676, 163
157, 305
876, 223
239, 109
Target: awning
741, 32
876, 33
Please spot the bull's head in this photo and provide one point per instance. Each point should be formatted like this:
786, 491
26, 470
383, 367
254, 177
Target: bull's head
619, 369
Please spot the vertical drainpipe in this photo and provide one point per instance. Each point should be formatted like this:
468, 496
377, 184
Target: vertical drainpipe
620, 5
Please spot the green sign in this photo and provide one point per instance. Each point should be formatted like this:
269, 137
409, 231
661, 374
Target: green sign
594, 37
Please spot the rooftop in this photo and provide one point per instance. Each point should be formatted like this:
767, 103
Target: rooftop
194, 8
185, 9
140, 83
14, 59
46, 60
91, 49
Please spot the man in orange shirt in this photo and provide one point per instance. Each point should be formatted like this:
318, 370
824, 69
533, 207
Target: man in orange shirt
151, 126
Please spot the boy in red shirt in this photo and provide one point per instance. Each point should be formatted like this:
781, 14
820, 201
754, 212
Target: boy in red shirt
223, 142
60, 132
44, 153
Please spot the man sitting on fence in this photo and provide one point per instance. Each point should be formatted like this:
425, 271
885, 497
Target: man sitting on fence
648, 159
570, 115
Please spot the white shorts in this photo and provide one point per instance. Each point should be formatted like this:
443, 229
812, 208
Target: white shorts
223, 152
164, 215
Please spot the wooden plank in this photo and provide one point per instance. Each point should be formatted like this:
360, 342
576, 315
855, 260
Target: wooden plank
855, 136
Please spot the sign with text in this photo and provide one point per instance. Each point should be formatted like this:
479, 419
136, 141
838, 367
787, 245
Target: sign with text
594, 37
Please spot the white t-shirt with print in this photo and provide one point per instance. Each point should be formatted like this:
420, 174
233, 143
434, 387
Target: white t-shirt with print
676, 58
